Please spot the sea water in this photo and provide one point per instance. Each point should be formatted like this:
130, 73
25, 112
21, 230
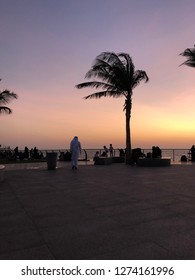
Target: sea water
174, 154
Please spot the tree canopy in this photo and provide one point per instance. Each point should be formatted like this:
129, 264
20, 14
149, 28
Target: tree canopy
5, 97
190, 55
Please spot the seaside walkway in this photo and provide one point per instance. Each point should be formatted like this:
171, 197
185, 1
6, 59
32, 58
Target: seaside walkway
97, 212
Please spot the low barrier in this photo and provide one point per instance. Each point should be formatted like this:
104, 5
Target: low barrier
154, 162
2, 169
103, 161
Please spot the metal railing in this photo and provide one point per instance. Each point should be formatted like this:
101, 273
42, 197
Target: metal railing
174, 154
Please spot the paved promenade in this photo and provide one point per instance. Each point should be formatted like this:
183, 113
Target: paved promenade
97, 212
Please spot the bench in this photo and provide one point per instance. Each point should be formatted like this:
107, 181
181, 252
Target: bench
2, 169
154, 162
103, 161
118, 159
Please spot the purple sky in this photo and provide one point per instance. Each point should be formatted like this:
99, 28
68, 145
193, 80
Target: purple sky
47, 47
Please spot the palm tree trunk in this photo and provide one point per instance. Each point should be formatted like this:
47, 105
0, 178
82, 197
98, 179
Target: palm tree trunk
128, 159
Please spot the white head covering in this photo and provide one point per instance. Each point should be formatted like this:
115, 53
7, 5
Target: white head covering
75, 144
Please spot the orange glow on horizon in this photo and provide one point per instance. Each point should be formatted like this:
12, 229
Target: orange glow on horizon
98, 123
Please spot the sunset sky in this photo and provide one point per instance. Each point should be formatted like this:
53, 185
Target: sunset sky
46, 48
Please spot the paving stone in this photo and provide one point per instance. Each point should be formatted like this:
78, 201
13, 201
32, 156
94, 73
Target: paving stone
98, 212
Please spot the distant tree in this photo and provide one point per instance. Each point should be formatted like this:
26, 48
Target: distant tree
190, 54
118, 78
5, 97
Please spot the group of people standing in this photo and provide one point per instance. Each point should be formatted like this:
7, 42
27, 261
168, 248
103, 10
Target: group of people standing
107, 151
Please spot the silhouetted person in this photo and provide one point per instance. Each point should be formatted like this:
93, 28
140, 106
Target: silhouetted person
41, 155
31, 153
75, 149
35, 153
85, 159
16, 153
156, 152
183, 158
121, 152
111, 150
67, 156
136, 154
26, 153
105, 152
192, 153
96, 157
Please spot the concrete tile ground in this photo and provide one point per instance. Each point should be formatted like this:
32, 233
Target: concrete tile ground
97, 212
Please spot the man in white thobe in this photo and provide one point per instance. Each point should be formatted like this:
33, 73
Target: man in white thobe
75, 149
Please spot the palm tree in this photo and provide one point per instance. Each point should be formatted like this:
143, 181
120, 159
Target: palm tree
118, 78
190, 54
5, 97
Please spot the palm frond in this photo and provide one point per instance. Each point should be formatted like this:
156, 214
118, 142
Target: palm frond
104, 66
189, 63
139, 76
93, 84
190, 54
5, 110
110, 57
6, 96
99, 70
105, 93
128, 62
